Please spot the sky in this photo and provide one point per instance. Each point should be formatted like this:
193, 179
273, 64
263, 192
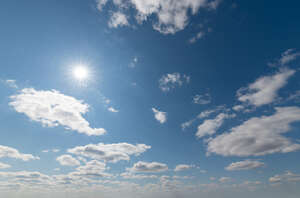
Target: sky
149, 98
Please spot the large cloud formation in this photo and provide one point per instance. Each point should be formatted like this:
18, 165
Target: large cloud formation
52, 108
258, 136
171, 16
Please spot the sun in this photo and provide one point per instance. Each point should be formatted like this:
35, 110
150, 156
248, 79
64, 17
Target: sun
81, 72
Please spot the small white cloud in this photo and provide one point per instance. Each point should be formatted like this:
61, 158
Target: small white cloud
210, 127
182, 167
198, 36
9, 152
148, 167
128, 175
4, 166
202, 99
159, 115
67, 160
118, 19
265, 89
244, 165
133, 63
170, 81
11, 83
288, 176
224, 179
109, 152
238, 107
111, 109
51, 108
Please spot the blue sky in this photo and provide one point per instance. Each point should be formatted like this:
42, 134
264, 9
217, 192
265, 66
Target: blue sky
144, 98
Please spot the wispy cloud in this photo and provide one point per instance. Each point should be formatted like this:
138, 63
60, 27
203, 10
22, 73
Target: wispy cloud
170, 81
244, 165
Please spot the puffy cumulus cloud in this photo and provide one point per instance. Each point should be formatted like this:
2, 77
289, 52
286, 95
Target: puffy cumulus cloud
288, 176
4, 166
210, 127
160, 116
202, 99
109, 152
171, 16
170, 81
67, 160
265, 89
51, 108
118, 19
92, 168
244, 165
182, 167
6, 151
258, 136
148, 167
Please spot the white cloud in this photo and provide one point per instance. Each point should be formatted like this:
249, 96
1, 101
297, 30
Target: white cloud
9, 152
4, 166
224, 179
109, 152
133, 62
210, 127
238, 107
288, 176
118, 19
265, 89
182, 167
52, 108
286, 57
171, 16
295, 96
258, 135
128, 175
202, 99
92, 168
159, 115
52, 150
148, 167
111, 109
244, 165
198, 36
170, 81
67, 160
11, 83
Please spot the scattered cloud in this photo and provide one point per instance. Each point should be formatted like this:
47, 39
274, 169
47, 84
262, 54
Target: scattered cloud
133, 63
128, 175
287, 57
4, 166
288, 176
109, 152
148, 167
224, 179
210, 126
182, 167
265, 89
52, 150
52, 108
118, 19
9, 152
238, 107
67, 160
160, 116
11, 83
295, 96
198, 36
244, 165
170, 81
258, 136
171, 16
202, 99
111, 109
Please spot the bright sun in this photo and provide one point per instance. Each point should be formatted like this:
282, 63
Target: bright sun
81, 72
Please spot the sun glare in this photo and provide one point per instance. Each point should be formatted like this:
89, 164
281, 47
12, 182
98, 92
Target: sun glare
81, 72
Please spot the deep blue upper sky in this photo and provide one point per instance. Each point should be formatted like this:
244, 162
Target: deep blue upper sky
184, 103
